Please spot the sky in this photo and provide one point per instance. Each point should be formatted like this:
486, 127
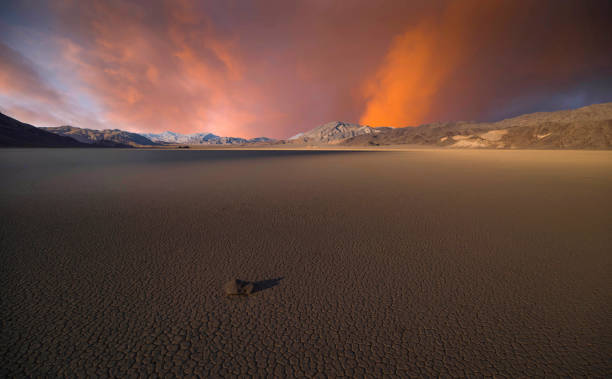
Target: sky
277, 68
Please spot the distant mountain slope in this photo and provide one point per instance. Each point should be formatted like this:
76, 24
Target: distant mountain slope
588, 127
584, 128
18, 134
201, 139
262, 140
595, 112
106, 136
334, 132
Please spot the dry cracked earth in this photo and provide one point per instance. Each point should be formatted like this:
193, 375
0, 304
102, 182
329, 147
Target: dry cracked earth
422, 263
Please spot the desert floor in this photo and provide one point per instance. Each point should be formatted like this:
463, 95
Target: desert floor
413, 263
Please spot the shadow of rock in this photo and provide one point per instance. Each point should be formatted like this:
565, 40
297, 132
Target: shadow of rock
243, 288
265, 284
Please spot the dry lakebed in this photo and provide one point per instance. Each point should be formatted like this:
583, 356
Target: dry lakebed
362, 263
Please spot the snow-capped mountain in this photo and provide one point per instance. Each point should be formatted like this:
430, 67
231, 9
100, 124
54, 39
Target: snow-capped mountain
200, 139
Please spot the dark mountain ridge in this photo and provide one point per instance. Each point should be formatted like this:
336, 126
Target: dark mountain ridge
14, 133
92, 136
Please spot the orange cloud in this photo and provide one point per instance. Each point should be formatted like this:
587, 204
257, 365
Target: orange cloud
277, 68
476, 57
403, 90
181, 76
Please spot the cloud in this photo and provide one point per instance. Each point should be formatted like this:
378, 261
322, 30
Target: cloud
26, 95
19, 78
272, 68
276, 68
477, 57
159, 70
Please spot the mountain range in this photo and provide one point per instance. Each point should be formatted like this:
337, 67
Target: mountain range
201, 139
92, 136
334, 132
15, 133
588, 127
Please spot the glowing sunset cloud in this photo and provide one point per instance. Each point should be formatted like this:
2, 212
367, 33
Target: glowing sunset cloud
477, 55
419, 61
276, 68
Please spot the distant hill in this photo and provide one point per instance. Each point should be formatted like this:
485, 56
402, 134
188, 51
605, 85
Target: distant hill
262, 140
14, 133
589, 127
334, 132
107, 136
201, 139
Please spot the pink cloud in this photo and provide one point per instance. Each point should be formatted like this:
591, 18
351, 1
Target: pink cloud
276, 68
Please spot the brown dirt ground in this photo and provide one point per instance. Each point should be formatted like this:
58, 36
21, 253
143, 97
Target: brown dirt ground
414, 263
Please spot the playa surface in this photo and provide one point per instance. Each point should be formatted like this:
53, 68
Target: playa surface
412, 263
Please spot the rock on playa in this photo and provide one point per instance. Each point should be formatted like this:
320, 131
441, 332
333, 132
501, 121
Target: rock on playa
238, 287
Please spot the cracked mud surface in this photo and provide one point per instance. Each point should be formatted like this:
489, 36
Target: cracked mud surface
455, 263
